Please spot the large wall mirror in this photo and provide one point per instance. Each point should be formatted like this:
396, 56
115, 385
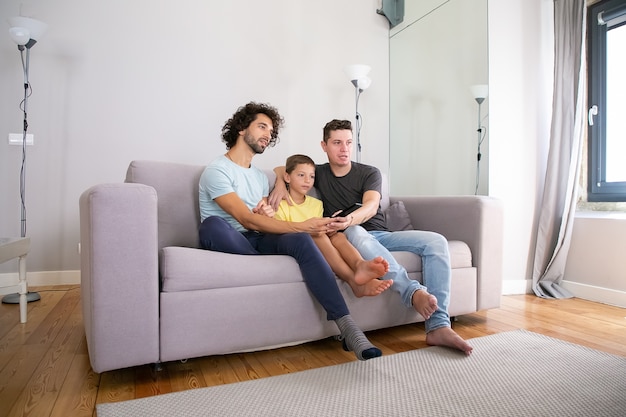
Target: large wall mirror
438, 53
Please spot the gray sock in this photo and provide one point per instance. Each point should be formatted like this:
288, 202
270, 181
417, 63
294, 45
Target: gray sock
355, 340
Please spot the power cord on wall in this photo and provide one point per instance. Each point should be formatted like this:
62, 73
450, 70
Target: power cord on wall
359, 124
23, 106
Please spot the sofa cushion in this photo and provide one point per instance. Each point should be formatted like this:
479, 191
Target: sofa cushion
177, 192
460, 254
189, 269
397, 218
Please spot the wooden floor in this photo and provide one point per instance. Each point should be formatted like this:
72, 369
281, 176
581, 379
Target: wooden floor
44, 366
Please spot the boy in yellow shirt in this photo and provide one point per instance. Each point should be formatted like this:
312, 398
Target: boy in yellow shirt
345, 261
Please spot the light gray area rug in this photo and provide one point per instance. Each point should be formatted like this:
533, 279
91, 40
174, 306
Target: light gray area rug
516, 373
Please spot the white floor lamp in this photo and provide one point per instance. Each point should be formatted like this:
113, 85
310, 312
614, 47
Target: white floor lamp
25, 32
480, 92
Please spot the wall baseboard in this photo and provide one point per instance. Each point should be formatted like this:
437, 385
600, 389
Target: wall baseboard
586, 292
598, 294
8, 282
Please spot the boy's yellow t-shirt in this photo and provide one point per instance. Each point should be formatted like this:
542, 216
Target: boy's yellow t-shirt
312, 207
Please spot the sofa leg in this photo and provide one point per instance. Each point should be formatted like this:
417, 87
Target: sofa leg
453, 319
156, 367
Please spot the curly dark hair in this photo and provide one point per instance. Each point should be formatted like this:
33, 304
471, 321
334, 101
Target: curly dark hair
336, 125
246, 115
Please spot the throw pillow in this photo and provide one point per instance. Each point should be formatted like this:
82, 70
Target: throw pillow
397, 217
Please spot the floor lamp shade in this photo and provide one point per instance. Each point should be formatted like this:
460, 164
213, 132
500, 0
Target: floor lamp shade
357, 71
22, 27
480, 91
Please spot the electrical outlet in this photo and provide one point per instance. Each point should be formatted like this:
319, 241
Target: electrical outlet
17, 138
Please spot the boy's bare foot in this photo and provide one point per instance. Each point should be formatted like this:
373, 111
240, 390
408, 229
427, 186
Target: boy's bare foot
369, 270
366, 282
424, 303
371, 288
445, 336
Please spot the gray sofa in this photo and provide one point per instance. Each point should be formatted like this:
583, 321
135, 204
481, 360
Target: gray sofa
149, 295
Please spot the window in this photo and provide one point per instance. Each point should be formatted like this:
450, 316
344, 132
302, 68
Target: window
606, 34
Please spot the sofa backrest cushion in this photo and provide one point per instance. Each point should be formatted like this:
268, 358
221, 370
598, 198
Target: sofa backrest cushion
177, 192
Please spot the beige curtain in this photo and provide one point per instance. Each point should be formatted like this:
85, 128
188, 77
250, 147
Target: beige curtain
556, 216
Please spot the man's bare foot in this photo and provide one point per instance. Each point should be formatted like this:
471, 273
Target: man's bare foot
424, 303
369, 270
445, 336
371, 288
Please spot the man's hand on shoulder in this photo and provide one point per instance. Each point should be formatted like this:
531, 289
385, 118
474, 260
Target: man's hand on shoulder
279, 193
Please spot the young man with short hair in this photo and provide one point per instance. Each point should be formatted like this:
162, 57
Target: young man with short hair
342, 182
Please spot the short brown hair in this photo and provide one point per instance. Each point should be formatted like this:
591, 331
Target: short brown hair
294, 160
336, 125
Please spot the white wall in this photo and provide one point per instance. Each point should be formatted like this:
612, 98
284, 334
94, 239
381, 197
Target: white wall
520, 74
596, 265
120, 80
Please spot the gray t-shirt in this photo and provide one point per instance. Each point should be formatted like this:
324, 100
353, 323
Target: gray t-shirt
338, 193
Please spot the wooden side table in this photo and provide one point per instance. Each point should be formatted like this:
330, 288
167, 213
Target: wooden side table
17, 247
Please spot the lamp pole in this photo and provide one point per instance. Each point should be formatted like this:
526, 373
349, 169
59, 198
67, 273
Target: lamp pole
479, 100
480, 92
357, 117
25, 65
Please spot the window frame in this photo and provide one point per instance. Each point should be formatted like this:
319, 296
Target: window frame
599, 190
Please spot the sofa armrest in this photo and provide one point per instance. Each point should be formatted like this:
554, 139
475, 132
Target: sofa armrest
475, 220
120, 275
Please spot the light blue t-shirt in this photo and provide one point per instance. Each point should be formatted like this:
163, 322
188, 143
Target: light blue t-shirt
223, 176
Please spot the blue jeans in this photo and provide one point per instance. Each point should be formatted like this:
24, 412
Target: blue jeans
218, 235
436, 273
